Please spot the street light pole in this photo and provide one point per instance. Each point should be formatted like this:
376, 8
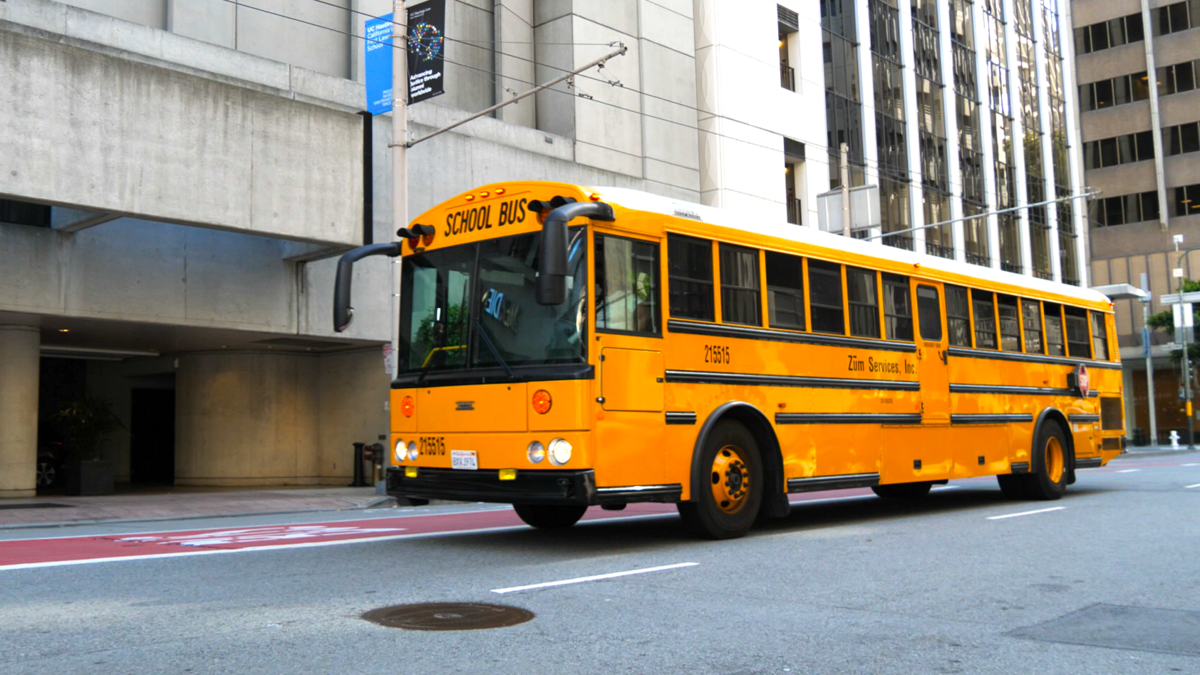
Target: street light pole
1187, 368
1149, 361
399, 147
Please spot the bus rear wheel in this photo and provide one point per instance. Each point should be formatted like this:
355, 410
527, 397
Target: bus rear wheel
1048, 477
727, 500
549, 517
903, 490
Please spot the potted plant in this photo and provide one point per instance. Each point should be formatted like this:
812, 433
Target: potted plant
86, 422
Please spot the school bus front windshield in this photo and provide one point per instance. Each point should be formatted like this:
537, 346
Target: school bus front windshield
473, 307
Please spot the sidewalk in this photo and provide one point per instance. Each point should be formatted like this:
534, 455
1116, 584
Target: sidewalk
182, 503
1158, 449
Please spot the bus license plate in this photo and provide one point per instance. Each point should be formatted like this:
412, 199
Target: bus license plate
464, 459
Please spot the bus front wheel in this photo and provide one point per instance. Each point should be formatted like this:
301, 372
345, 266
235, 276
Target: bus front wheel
549, 517
727, 500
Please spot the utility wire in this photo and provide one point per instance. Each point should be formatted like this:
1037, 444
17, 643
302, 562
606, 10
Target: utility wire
915, 175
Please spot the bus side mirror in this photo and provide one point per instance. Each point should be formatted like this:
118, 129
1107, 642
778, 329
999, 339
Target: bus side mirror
552, 271
343, 313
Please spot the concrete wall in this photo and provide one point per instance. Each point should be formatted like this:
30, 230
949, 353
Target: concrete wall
109, 134
275, 419
18, 410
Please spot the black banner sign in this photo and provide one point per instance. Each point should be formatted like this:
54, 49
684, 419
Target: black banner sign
426, 50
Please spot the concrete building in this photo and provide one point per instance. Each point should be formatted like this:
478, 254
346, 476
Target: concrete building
1138, 65
176, 177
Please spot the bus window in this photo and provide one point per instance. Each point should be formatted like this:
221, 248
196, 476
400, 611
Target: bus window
689, 271
825, 294
985, 320
897, 308
1010, 323
864, 302
1031, 316
740, 302
1077, 333
930, 313
785, 291
1099, 337
626, 285
958, 316
1054, 329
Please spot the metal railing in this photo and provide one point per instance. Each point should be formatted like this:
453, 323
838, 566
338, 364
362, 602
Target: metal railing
934, 248
787, 77
795, 212
904, 241
1011, 267
976, 259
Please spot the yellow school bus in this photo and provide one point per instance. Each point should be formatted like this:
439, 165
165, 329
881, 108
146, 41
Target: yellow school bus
563, 346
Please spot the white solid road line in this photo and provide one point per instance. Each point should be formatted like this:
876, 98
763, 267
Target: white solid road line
1191, 464
1189, 487
1026, 513
1128, 470
946, 487
598, 577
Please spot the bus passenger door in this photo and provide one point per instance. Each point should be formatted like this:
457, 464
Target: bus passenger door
933, 368
630, 428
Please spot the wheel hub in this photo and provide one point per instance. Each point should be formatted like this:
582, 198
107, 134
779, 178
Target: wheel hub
730, 479
1054, 459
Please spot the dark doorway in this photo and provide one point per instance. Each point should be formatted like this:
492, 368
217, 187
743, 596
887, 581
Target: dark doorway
152, 442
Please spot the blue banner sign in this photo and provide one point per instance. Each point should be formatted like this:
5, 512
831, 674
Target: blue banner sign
377, 60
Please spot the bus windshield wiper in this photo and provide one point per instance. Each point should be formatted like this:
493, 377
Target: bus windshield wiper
492, 348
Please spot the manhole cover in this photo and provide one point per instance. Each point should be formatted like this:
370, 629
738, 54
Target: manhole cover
448, 616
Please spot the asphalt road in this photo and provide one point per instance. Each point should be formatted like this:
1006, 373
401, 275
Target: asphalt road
1104, 583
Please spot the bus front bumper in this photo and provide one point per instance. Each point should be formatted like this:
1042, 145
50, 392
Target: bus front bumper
528, 487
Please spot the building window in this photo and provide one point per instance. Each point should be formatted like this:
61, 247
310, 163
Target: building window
958, 316
1174, 18
843, 107
689, 265
1118, 90
16, 212
1124, 209
626, 285
740, 302
1108, 34
1127, 149
1181, 139
825, 295
886, 63
1187, 200
789, 23
785, 291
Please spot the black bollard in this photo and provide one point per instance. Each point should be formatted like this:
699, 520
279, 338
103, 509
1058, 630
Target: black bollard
359, 479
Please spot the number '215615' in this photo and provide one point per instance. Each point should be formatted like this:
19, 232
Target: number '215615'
716, 354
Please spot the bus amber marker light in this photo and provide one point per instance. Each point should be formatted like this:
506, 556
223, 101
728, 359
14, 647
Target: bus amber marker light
407, 406
541, 401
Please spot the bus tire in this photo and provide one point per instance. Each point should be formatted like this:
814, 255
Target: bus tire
1011, 486
549, 517
903, 490
727, 500
1047, 478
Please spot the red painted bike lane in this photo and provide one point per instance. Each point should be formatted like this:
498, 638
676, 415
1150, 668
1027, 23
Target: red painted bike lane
32, 553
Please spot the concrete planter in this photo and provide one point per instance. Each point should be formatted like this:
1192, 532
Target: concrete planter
92, 477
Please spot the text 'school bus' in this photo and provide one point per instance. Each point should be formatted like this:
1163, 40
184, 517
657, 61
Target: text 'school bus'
562, 347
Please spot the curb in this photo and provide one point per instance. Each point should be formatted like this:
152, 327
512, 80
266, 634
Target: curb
375, 503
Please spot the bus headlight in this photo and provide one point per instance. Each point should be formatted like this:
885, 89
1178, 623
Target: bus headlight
536, 452
412, 451
400, 450
560, 451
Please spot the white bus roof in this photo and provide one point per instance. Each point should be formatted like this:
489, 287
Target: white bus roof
644, 201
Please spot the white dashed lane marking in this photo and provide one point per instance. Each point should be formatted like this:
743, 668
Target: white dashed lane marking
1026, 513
